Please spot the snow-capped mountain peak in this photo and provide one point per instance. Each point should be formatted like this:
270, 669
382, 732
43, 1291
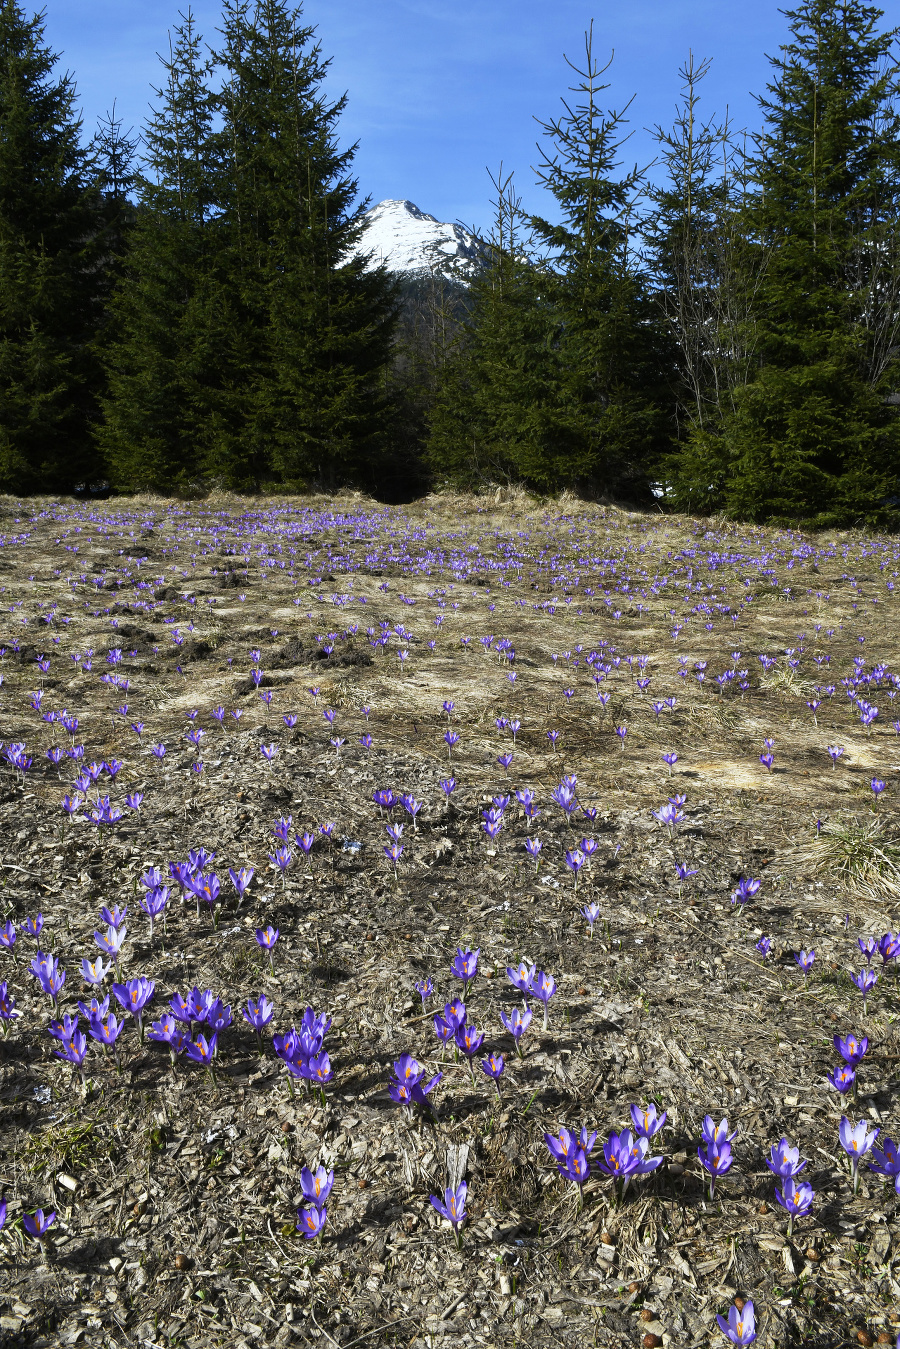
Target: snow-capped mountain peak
407, 239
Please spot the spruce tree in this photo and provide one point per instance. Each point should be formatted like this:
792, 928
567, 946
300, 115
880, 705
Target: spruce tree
52, 280
814, 433
612, 348
170, 403
496, 414
313, 327
434, 308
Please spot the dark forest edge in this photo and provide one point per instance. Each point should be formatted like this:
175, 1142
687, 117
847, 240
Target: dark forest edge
185, 312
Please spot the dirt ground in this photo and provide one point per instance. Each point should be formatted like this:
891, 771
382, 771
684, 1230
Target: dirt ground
176, 1196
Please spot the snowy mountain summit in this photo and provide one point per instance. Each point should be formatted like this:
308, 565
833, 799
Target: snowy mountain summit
408, 240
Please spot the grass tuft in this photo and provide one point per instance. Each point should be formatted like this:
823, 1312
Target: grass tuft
853, 851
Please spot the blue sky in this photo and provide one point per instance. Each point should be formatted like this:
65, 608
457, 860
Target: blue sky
439, 90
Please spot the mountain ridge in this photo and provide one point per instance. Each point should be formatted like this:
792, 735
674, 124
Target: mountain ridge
410, 241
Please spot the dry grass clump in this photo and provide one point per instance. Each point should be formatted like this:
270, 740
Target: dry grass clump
783, 679
857, 853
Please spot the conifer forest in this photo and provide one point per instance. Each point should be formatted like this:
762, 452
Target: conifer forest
449, 860
181, 308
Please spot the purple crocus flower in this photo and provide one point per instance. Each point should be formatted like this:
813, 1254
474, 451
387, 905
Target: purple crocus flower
408, 1070
889, 947
219, 1017
73, 1049
533, 847
114, 916
625, 1155
153, 904
134, 996
407, 1088
181, 1009
805, 960
745, 889
453, 1209
783, 1160
94, 971
492, 826
424, 988
443, 1030
562, 1143
282, 828
543, 986
856, 1140
267, 938
717, 1160
851, 1048
591, 912
37, 1224
111, 944
319, 1070
49, 975
304, 842
493, 1067
517, 1024
646, 1121
469, 1040
740, 1328
61, 1030
465, 966
311, 1221
106, 1030
316, 1185
203, 1051
575, 860
522, 976
167, 1031
842, 1078
258, 1013
8, 1012
199, 1003
716, 1133
764, 946
868, 947
565, 798
393, 852
575, 1166
886, 1159
33, 926
865, 981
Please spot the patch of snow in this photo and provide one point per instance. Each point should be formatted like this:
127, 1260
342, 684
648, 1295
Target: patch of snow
408, 240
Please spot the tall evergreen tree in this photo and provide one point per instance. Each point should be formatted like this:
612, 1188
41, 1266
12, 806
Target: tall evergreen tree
612, 348
169, 407
313, 327
434, 308
700, 261
52, 281
814, 432
559, 381
496, 414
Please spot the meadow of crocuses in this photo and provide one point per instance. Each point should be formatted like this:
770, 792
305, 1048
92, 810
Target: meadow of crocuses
474, 922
